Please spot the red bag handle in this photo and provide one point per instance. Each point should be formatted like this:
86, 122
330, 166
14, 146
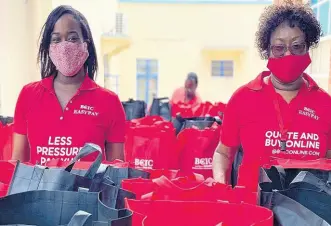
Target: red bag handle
164, 182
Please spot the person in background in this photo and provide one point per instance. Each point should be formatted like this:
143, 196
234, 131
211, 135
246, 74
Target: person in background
188, 93
56, 116
282, 113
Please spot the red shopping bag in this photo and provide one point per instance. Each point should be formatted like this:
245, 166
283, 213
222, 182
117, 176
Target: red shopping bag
196, 148
220, 107
179, 213
151, 146
58, 163
7, 170
173, 174
148, 120
184, 110
319, 164
208, 190
6, 139
3, 189
141, 186
205, 109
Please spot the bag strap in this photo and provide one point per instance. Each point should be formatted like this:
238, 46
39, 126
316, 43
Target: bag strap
89, 148
309, 178
81, 218
263, 176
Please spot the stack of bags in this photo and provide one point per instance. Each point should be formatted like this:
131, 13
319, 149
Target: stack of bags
95, 193
77, 194
186, 144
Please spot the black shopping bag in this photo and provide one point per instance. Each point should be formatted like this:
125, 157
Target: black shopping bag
6, 120
289, 212
51, 208
134, 109
27, 177
115, 174
305, 192
161, 107
199, 122
81, 218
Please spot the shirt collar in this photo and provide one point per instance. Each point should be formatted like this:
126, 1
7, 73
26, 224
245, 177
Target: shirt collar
88, 83
258, 83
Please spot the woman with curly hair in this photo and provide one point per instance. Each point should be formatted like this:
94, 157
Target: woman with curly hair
282, 113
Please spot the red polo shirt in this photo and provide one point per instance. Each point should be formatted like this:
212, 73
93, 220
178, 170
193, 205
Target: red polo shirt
250, 119
179, 97
93, 115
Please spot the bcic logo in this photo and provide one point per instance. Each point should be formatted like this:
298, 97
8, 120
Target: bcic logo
143, 163
203, 163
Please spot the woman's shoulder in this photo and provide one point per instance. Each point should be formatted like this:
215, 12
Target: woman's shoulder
106, 93
31, 88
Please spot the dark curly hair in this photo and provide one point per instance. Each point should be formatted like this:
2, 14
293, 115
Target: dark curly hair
297, 15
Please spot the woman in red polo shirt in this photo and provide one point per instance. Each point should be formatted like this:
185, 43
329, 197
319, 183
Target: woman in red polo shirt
56, 116
282, 113
188, 93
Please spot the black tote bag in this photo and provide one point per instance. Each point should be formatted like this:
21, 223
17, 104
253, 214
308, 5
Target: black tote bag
134, 109
199, 122
27, 177
51, 208
161, 107
306, 191
115, 174
81, 218
289, 212
6, 120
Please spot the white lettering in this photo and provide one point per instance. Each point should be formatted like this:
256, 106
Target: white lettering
57, 141
143, 163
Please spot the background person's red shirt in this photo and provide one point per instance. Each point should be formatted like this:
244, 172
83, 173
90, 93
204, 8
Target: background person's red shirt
179, 97
250, 119
94, 115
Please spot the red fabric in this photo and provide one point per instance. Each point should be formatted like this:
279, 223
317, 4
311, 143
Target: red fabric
179, 213
151, 145
3, 189
179, 97
141, 186
250, 119
188, 189
7, 169
199, 110
85, 165
93, 115
220, 107
184, 110
319, 164
205, 109
172, 174
196, 148
6, 141
208, 190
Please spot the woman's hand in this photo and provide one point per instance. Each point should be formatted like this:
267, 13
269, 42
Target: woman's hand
223, 158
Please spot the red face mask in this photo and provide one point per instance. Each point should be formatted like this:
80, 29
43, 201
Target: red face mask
289, 68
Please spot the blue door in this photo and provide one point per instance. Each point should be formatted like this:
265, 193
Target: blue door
147, 76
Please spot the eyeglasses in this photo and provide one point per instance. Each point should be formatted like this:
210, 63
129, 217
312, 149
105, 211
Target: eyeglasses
295, 49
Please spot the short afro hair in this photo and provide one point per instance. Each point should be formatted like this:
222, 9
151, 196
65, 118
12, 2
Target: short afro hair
192, 76
297, 15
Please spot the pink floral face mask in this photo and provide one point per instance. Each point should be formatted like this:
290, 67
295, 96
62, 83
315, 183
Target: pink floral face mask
68, 57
